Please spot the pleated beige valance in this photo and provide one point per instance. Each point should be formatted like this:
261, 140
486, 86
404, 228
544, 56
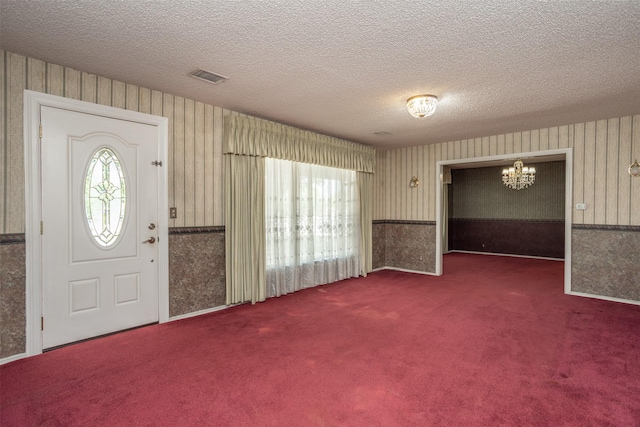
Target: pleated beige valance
251, 136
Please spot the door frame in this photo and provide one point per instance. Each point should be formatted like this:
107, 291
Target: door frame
33, 202
567, 153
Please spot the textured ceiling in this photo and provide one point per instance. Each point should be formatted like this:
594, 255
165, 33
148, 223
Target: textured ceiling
346, 68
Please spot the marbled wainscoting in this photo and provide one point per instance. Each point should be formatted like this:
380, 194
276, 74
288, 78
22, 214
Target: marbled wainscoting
12, 295
196, 269
408, 245
378, 243
605, 260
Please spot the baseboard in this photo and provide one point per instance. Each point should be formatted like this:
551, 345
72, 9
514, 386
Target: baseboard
602, 297
511, 255
201, 312
171, 319
404, 270
13, 358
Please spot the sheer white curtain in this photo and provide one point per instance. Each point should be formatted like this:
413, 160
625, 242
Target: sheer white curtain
312, 222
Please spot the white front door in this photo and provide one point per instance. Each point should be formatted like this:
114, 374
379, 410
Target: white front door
99, 225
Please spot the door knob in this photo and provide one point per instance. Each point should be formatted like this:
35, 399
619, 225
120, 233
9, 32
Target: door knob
150, 240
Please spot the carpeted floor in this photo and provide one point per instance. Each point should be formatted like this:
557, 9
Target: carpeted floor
494, 341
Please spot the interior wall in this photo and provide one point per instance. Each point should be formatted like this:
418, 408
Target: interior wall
195, 137
195, 175
602, 152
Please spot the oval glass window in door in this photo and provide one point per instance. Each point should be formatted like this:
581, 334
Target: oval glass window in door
105, 197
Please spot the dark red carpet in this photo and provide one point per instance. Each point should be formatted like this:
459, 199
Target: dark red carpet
492, 342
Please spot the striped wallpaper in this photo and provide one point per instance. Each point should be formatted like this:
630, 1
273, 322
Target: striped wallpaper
195, 137
602, 152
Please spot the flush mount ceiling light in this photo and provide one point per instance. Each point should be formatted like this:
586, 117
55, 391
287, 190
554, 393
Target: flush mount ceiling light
422, 105
519, 176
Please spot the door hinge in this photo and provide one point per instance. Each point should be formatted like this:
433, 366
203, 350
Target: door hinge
42, 323
40, 131
157, 163
41, 228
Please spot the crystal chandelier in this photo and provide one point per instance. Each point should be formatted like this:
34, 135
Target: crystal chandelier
519, 176
422, 105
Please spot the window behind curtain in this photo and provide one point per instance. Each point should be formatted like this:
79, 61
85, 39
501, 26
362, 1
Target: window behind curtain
312, 225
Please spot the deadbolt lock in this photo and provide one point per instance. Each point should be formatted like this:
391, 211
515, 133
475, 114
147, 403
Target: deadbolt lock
152, 226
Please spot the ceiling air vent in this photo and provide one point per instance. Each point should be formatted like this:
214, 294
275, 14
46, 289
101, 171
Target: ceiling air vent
208, 76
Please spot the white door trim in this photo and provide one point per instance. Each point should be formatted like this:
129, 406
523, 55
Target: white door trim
33, 203
568, 210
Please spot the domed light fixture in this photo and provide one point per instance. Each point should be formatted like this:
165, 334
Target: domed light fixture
422, 105
519, 176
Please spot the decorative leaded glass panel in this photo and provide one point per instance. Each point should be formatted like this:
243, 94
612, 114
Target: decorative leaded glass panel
105, 197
